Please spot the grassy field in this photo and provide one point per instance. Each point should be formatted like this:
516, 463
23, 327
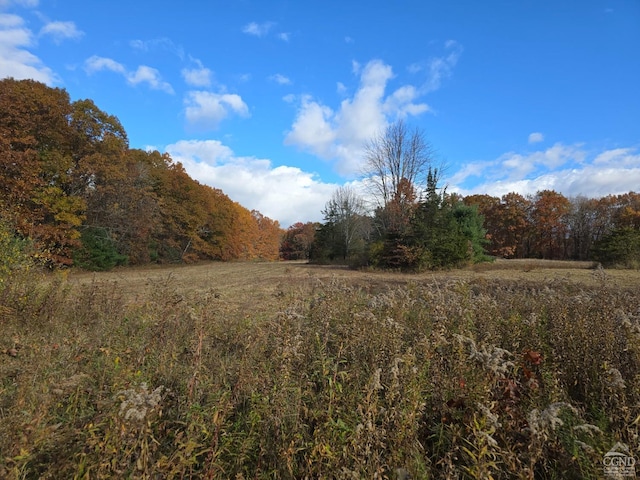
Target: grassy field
516, 369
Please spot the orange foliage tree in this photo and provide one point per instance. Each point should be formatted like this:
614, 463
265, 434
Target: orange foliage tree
70, 183
35, 159
506, 221
549, 222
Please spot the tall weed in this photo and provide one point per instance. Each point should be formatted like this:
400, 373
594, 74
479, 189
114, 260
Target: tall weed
326, 379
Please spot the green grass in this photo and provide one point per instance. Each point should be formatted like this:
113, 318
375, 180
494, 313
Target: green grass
293, 371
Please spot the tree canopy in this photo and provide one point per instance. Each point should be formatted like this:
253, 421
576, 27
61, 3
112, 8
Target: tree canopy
71, 185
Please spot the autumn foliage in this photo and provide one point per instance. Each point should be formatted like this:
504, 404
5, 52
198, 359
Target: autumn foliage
71, 185
551, 226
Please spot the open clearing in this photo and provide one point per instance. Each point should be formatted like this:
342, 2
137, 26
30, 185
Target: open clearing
249, 284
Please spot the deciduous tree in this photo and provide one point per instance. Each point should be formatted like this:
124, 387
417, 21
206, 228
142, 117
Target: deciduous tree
550, 224
344, 214
396, 164
297, 241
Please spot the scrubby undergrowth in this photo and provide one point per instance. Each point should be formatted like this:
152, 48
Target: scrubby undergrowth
457, 379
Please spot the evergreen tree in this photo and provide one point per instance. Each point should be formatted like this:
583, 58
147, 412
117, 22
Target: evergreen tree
445, 232
98, 251
619, 248
471, 225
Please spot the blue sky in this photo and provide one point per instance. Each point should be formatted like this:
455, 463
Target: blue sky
271, 101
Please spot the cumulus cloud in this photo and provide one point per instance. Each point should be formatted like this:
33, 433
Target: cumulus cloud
60, 31
618, 157
205, 110
142, 75
197, 77
95, 64
516, 167
341, 134
568, 169
258, 29
401, 102
151, 77
536, 137
15, 58
519, 165
283, 193
280, 79
312, 129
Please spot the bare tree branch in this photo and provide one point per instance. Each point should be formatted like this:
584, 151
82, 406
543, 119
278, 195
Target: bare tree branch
394, 157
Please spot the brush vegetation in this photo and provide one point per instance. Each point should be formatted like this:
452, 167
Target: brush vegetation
289, 370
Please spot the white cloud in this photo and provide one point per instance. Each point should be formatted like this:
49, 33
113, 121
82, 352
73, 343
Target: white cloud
283, 193
258, 29
205, 110
60, 31
15, 58
536, 137
22, 3
139, 45
161, 43
516, 165
589, 181
440, 68
340, 135
618, 157
212, 152
400, 102
150, 76
197, 77
472, 169
284, 36
143, 74
567, 169
95, 64
312, 129
280, 79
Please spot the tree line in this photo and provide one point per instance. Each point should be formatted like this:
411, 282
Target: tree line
551, 226
72, 192
411, 223
71, 188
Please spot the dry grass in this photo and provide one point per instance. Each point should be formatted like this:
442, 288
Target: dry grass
287, 370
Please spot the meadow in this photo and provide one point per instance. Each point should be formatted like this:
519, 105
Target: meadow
515, 369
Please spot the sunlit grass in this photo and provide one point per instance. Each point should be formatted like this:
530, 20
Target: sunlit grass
290, 371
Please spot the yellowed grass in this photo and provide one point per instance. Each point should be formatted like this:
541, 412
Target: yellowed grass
238, 280
518, 369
